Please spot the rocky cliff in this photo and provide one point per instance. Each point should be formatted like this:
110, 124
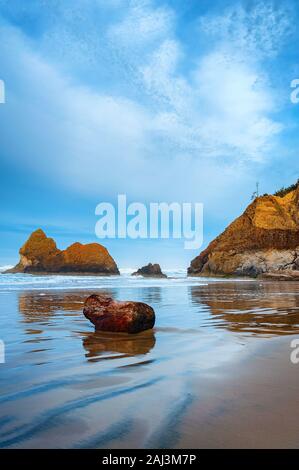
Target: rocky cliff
264, 239
40, 254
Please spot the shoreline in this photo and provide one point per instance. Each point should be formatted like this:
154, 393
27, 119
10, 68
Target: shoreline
71, 273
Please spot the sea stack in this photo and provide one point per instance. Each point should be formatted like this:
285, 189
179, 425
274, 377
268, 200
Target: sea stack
122, 317
150, 270
40, 255
264, 239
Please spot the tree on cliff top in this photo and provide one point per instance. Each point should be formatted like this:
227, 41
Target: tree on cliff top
283, 191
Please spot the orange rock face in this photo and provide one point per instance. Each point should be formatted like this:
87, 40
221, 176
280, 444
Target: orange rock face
265, 238
40, 255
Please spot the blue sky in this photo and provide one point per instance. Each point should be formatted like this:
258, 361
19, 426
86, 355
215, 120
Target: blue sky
184, 101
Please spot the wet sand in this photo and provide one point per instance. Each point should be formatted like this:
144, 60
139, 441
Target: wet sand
252, 404
214, 373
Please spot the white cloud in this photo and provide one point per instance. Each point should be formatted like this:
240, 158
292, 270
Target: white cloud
141, 25
184, 120
260, 29
161, 79
225, 106
236, 103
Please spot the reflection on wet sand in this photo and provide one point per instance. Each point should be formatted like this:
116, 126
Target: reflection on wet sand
259, 308
207, 376
42, 307
98, 343
37, 306
152, 295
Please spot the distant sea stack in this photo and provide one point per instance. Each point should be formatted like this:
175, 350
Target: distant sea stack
40, 255
150, 270
264, 239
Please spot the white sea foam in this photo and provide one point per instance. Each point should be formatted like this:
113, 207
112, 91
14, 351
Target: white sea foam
12, 282
5, 268
9, 282
127, 270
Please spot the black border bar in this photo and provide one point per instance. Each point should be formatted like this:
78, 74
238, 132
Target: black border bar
151, 458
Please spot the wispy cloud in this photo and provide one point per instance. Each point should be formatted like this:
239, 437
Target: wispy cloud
172, 110
142, 25
259, 28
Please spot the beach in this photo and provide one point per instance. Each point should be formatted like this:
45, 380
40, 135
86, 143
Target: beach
215, 372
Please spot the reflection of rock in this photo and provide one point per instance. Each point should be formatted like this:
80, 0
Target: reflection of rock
281, 276
150, 270
40, 255
100, 342
35, 305
152, 295
264, 238
109, 315
259, 308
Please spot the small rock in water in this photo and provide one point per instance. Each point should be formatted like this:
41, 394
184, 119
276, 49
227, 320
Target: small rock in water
110, 315
150, 270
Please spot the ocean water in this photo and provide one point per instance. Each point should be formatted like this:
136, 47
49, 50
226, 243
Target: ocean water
182, 384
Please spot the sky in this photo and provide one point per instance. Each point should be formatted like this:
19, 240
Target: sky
161, 100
